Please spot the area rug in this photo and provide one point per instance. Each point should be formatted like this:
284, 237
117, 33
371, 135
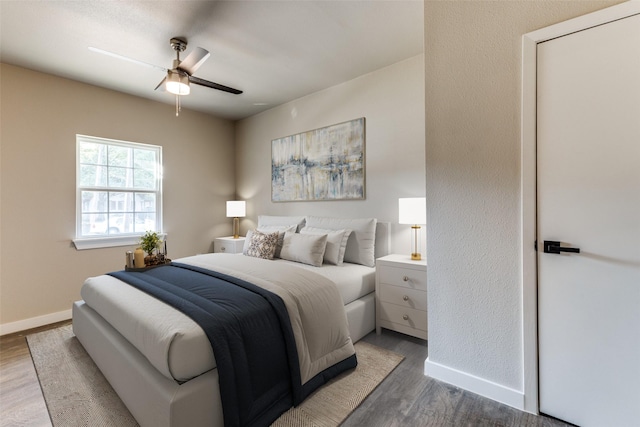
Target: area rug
77, 394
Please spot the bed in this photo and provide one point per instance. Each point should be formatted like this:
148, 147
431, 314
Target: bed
160, 362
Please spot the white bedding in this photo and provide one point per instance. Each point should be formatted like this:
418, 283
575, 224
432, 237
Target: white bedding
173, 343
353, 281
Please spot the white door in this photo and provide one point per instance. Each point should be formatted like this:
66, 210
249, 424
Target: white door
588, 169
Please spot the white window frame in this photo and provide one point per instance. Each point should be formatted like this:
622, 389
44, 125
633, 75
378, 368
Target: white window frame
125, 239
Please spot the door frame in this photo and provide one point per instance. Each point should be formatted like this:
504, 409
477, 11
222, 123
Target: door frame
528, 177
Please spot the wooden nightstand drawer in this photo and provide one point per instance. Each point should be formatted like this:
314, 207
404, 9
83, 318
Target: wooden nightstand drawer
410, 298
408, 278
409, 317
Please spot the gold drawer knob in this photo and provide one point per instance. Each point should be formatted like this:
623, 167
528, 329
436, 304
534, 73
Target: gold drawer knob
405, 298
405, 317
405, 278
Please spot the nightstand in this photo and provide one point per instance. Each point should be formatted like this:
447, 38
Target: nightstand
401, 295
228, 245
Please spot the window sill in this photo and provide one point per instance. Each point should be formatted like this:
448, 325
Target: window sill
108, 242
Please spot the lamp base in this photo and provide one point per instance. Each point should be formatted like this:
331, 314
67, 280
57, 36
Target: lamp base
236, 227
415, 243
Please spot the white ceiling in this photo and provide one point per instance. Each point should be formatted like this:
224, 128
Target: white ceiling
275, 51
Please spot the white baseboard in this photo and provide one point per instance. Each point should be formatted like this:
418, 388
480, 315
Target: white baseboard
34, 322
491, 390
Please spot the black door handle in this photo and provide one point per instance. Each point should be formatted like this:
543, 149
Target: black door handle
553, 247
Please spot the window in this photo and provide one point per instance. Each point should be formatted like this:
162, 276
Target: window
119, 191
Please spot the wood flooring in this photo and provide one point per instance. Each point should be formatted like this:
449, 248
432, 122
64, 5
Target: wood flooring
21, 400
405, 398
409, 398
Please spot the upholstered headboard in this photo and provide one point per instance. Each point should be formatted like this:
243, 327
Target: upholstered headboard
383, 239
382, 235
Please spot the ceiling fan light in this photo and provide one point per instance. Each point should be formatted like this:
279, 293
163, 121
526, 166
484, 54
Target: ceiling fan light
177, 83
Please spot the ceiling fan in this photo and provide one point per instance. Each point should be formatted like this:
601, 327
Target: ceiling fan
180, 76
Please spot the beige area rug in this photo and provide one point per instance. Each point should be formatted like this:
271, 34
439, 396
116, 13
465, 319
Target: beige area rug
77, 394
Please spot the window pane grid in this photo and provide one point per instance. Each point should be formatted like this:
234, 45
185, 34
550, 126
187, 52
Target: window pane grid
118, 188
117, 212
140, 175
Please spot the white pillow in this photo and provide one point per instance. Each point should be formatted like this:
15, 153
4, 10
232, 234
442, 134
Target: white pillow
247, 241
261, 245
304, 248
336, 243
269, 220
361, 244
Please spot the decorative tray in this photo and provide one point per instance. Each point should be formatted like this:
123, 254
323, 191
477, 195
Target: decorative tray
149, 267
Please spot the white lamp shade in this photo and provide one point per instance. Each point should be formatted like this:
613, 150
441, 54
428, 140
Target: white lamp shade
236, 208
412, 210
177, 83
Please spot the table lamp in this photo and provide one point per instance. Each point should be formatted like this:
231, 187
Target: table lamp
413, 211
236, 209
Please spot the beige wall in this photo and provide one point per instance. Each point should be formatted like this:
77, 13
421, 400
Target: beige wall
40, 270
472, 73
392, 101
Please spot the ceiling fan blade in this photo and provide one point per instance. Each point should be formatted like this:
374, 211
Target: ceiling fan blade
126, 58
194, 60
161, 85
202, 82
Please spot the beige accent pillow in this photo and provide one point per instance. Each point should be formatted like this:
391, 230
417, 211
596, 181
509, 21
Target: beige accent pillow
304, 248
361, 242
336, 243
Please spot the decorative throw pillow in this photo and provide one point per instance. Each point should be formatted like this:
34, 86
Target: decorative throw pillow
336, 243
304, 248
281, 229
261, 245
361, 243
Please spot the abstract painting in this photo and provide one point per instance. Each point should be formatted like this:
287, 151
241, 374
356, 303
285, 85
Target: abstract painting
320, 164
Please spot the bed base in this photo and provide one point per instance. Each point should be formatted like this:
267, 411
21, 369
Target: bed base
361, 316
152, 398
157, 401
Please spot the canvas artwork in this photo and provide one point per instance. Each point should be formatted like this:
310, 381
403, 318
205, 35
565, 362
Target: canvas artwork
321, 164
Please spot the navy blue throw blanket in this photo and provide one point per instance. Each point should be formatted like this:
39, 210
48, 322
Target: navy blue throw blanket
250, 334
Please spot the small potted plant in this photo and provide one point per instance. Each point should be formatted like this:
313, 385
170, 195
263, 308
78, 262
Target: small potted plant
149, 242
